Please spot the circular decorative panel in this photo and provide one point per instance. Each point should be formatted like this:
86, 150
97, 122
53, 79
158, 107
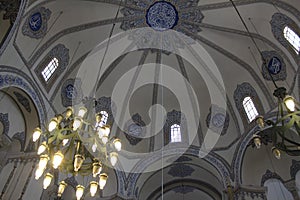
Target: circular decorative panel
36, 24
71, 91
35, 21
135, 130
218, 120
274, 65
162, 16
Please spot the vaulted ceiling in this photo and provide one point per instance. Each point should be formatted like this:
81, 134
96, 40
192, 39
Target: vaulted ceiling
199, 51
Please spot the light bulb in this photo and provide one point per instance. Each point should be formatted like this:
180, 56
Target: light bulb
57, 159
47, 180
276, 152
42, 148
43, 161
78, 162
257, 141
104, 139
52, 125
36, 134
97, 167
289, 102
82, 111
93, 188
102, 181
65, 141
61, 188
106, 130
38, 173
77, 123
260, 121
94, 147
79, 191
113, 158
117, 144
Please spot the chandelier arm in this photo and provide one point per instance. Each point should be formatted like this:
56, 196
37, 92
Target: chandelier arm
286, 139
68, 136
297, 127
51, 139
293, 116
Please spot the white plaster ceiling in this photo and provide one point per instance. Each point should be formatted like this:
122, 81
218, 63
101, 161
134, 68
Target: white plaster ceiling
78, 25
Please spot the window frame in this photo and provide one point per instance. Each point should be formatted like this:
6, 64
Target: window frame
61, 53
175, 133
250, 108
50, 69
278, 22
290, 35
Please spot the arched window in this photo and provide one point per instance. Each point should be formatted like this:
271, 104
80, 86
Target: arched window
104, 118
292, 38
50, 69
52, 66
175, 133
250, 108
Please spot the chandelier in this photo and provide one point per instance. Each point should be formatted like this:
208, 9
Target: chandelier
64, 147
283, 132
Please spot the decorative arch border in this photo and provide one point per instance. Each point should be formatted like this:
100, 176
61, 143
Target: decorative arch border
4, 120
184, 186
269, 175
15, 26
12, 77
128, 190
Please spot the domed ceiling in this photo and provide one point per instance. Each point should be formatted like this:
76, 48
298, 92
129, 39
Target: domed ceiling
152, 64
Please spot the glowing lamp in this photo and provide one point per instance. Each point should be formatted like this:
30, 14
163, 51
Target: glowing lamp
117, 144
42, 148
289, 102
93, 188
57, 159
79, 191
102, 181
36, 134
47, 180
61, 188
78, 162
97, 167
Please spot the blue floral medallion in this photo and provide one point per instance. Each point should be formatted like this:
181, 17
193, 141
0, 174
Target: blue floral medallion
274, 65
218, 120
71, 92
35, 21
162, 16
